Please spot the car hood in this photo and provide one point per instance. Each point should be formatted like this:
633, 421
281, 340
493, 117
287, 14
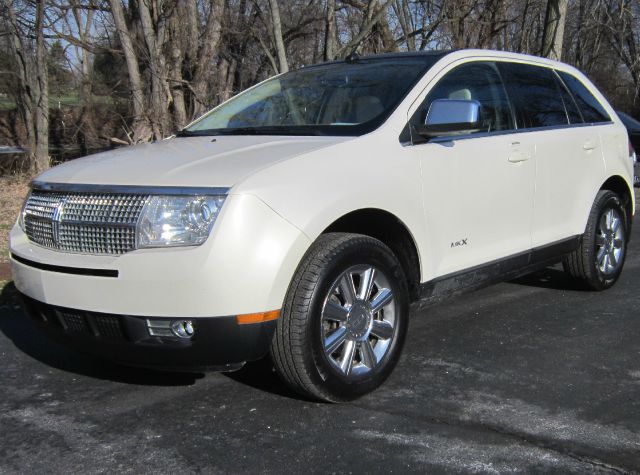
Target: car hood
220, 161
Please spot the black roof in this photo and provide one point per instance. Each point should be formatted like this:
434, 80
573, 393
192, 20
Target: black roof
405, 55
408, 54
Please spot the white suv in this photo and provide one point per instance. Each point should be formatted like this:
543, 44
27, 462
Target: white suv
303, 216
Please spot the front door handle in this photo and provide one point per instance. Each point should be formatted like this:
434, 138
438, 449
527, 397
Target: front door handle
589, 145
518, 155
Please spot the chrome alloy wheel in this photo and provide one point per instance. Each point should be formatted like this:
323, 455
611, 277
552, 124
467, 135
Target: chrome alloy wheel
609, 242
358, 320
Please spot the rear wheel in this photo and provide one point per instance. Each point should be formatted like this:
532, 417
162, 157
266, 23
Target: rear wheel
598, 262
344, 319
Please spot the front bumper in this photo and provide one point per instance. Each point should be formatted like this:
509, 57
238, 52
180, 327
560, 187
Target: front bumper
218, 343
244, 267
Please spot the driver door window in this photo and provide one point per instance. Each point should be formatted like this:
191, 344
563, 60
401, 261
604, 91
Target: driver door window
478, 81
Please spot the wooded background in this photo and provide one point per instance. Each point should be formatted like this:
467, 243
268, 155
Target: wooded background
78, 76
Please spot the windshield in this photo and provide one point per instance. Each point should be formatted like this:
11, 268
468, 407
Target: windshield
332, 99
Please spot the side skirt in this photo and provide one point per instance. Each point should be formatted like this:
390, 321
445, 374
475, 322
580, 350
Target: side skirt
512, 267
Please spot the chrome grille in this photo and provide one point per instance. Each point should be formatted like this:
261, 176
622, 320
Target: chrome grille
114, 209
93, 223
40, 231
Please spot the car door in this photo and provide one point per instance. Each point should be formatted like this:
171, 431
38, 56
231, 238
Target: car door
477, 188
568, 154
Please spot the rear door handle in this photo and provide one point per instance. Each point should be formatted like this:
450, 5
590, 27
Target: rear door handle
589, 145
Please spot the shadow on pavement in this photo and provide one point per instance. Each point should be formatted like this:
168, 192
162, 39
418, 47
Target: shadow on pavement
550, 278
18, 328
261, 375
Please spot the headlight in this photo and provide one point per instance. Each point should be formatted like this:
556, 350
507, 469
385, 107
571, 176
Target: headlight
177, 220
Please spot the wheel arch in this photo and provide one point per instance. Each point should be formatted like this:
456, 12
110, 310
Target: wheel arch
619, 185
392, 231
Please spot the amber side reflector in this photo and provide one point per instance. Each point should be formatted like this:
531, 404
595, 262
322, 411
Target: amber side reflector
248, 318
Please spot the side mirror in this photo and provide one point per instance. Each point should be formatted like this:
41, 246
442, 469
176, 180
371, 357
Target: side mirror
451, 117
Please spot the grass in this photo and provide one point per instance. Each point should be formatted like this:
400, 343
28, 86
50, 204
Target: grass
64, 100
6, 103
13, 190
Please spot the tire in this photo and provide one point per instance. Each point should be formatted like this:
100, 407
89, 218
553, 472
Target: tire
598, 262
330, 344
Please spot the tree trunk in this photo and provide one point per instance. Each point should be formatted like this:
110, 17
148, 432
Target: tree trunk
386, 36
330, 31
371, 21
42, 87
141, 131
521, 33
208, 51
553, 35
30, 86
153, 32
281, 53
85, 124
402, 12
176, 82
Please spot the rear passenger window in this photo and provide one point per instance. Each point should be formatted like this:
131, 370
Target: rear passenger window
479, 81
569, 103
536, 94
592, 110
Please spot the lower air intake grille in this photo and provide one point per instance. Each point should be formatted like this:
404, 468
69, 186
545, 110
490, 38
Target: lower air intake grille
109, 327
79, 322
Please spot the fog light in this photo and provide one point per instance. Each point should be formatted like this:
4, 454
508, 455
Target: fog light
166, 328
182, 328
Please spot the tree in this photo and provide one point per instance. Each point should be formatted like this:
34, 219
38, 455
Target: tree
60, 77
141, 129
22, 21
158, 64
276, 25
623, 20
330, 39
554, 29
207, 52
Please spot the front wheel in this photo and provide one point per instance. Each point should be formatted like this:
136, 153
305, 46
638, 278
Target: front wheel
344, 320
598, 262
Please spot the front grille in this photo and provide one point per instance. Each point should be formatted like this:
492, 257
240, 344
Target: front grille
92, 223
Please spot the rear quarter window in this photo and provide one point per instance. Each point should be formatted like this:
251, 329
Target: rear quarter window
592, 110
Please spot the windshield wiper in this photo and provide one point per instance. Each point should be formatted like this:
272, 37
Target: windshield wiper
267, 130
197, 133
229, 131
271, 130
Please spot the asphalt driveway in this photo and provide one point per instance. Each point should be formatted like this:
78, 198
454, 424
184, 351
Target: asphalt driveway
527, 376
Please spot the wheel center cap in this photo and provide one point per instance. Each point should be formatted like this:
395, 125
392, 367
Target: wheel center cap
359, 320
610, 242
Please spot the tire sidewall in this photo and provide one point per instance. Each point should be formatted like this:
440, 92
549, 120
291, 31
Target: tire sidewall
360, 251
607, 201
